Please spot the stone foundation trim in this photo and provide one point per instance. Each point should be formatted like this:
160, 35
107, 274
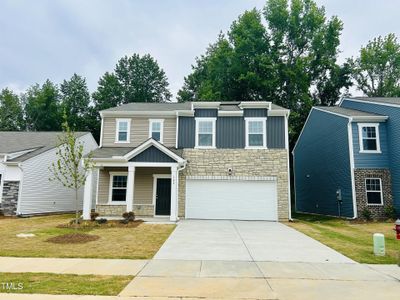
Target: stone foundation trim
106, 210
10, 198
241, 178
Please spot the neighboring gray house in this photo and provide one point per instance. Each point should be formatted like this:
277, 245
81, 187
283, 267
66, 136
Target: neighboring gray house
25, 158
351, 151
199, 160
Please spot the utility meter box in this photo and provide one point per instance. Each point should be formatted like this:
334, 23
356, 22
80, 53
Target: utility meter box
379, 244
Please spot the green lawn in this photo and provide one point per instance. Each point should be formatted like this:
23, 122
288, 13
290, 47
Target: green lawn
140, 242
46, 283
350, 238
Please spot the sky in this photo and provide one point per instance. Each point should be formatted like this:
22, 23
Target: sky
55, 38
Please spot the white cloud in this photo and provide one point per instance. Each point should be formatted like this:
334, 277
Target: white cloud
53, 39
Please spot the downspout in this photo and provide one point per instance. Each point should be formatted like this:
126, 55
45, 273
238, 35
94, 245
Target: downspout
180, 168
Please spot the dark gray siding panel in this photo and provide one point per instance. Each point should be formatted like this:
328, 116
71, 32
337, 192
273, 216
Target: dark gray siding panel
255, 112
230, 132
276, 132
393, 140
186, 132
152, 154
209, 113
322, 165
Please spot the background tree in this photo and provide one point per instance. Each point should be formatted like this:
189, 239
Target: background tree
237, 67
377, 70
291, 61
75, 101
141, 79
11, 112
42, 107
71, 167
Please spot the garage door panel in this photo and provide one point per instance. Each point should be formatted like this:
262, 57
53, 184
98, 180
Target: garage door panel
231, 199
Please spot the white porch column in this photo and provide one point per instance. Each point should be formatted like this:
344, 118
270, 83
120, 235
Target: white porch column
174, 194
130, 188
87, 196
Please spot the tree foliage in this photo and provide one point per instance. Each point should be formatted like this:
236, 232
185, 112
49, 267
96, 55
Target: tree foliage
11, 111
377, 69
75, 101
289, 59
71, 167
42, 107
135, 79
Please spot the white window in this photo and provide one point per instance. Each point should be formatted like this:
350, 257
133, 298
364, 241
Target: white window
156, 128
369, 138
205, 132
123, 130
256, 136
118, 184
373, 188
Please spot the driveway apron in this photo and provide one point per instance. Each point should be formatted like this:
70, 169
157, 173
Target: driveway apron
244, 241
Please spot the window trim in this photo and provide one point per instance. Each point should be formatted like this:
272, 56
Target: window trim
128, 133
259, 119
360, 137
161, 121
110, 188
213, 140
366, 191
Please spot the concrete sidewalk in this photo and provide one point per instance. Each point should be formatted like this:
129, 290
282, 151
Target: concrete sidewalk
261, 280
183, 279
80, 266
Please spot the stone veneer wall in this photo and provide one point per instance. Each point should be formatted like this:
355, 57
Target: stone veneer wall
10, 198
377, 211
244, 162
118, 210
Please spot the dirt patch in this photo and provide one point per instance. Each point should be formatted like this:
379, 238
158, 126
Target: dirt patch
73, 238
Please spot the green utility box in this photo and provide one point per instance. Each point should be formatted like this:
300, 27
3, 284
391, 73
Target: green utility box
379, 244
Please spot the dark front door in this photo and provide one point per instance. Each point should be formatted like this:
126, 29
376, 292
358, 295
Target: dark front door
163, 197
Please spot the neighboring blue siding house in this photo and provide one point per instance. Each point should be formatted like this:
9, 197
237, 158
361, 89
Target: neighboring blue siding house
347, 160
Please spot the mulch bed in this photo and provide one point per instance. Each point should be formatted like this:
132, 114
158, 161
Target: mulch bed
73, 238
108, 224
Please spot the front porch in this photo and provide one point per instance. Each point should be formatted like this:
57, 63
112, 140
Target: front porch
145, 181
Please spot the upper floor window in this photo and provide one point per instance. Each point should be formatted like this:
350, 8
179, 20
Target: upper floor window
373, 188
256, 136
156, 129
123, 130
369, 138
205, 132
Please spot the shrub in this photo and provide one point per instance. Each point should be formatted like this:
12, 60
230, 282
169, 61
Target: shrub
390, 212
76, 221
101, 221
93, 216
366, 214
129, 216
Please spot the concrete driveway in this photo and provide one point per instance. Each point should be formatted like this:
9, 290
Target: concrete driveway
244, 241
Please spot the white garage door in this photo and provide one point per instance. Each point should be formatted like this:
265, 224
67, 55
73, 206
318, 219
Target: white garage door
231, 199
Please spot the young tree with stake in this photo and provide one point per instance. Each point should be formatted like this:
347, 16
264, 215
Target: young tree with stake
71, 168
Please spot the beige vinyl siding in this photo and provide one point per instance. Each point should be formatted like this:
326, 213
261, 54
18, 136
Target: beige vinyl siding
143, 191
139, 131
144, 184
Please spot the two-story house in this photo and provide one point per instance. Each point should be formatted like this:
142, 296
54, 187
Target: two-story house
205, 160
347, 158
